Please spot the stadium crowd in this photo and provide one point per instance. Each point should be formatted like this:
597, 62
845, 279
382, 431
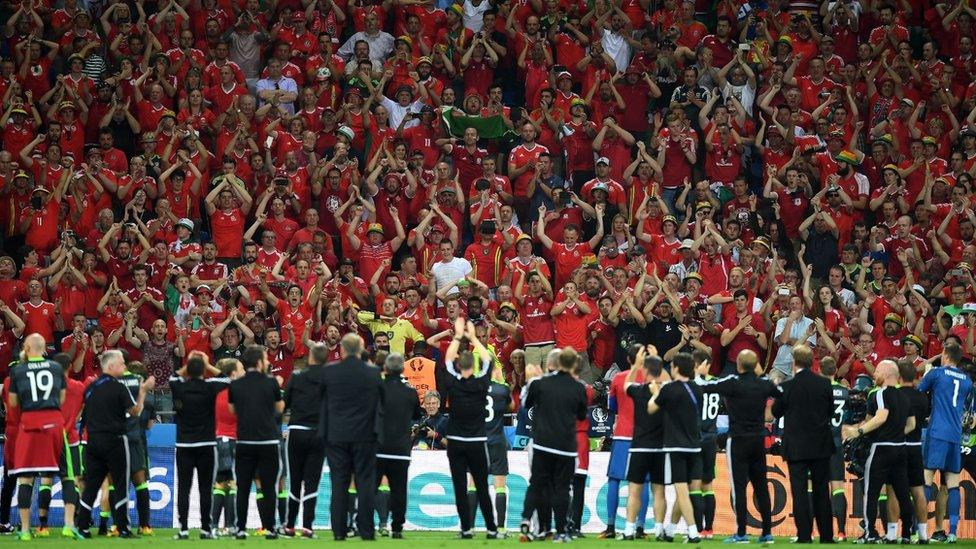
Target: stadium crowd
185, 178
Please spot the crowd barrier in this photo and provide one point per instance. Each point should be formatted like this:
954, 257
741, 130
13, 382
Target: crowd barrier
431, 499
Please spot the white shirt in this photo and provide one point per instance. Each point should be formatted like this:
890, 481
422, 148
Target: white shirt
450, 273
397, 112
380, 46
474, 15
617, 48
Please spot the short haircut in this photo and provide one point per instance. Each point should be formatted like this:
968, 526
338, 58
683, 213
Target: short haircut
568, 359
552, 360
684, 364
252, 356
802, 357
64, 359
654, 365
432, 394
953, 352
828, 366
351, 344
195, 366
465, 362
906, 370
318, 354
700, 356
746, 361
109, 356
227, 366
393, 364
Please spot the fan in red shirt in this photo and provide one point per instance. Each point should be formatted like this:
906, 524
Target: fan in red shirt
569, 253
570, 318
227, 221
487, 254
39, 316
521, 167
375, 249
538, 335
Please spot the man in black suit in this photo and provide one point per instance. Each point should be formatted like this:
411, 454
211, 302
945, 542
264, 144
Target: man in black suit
351, 403
806, 404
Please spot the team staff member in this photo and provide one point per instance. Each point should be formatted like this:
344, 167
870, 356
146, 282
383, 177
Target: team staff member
401, 407
107, 402
255, 399
806, 404
646, 461
680, 403
557, 401
887, 421
947, 386
838, 495
466, 431
745, 400
194, 400
919, 409
37, 388
351, 395
303, 448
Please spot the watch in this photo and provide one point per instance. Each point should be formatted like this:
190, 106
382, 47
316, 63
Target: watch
860, 431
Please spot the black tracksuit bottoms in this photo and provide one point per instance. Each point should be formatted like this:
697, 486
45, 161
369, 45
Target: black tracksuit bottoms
105, 456
747, 465
259, 461
395, 471
470, 457
887, 464
306, 454
549, 488
203, 461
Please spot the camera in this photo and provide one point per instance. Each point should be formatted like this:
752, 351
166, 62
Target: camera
856, 456
565, 200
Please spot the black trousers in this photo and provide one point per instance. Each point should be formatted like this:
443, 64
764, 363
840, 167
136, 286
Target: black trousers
549, 487
105, 456
747, 465
346, 458
395, 471
306, 453
817, 473
470, 457
203, 461
259, 461
887, 464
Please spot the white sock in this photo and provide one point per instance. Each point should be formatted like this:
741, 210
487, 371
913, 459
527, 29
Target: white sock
629, 528
669, 529
658, 528
692, 531
923, 531
892, 530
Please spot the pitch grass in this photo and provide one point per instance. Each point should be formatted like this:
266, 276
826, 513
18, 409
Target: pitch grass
163, 539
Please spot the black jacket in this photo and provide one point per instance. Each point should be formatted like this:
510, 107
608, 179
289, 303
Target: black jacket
352, 396
806, 405
401, 407
557, 402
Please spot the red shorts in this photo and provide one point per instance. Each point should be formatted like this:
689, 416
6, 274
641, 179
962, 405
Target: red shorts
39, 442
582, 453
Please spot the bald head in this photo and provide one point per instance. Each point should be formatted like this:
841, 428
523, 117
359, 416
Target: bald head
746, 361
886, 373
34, 346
